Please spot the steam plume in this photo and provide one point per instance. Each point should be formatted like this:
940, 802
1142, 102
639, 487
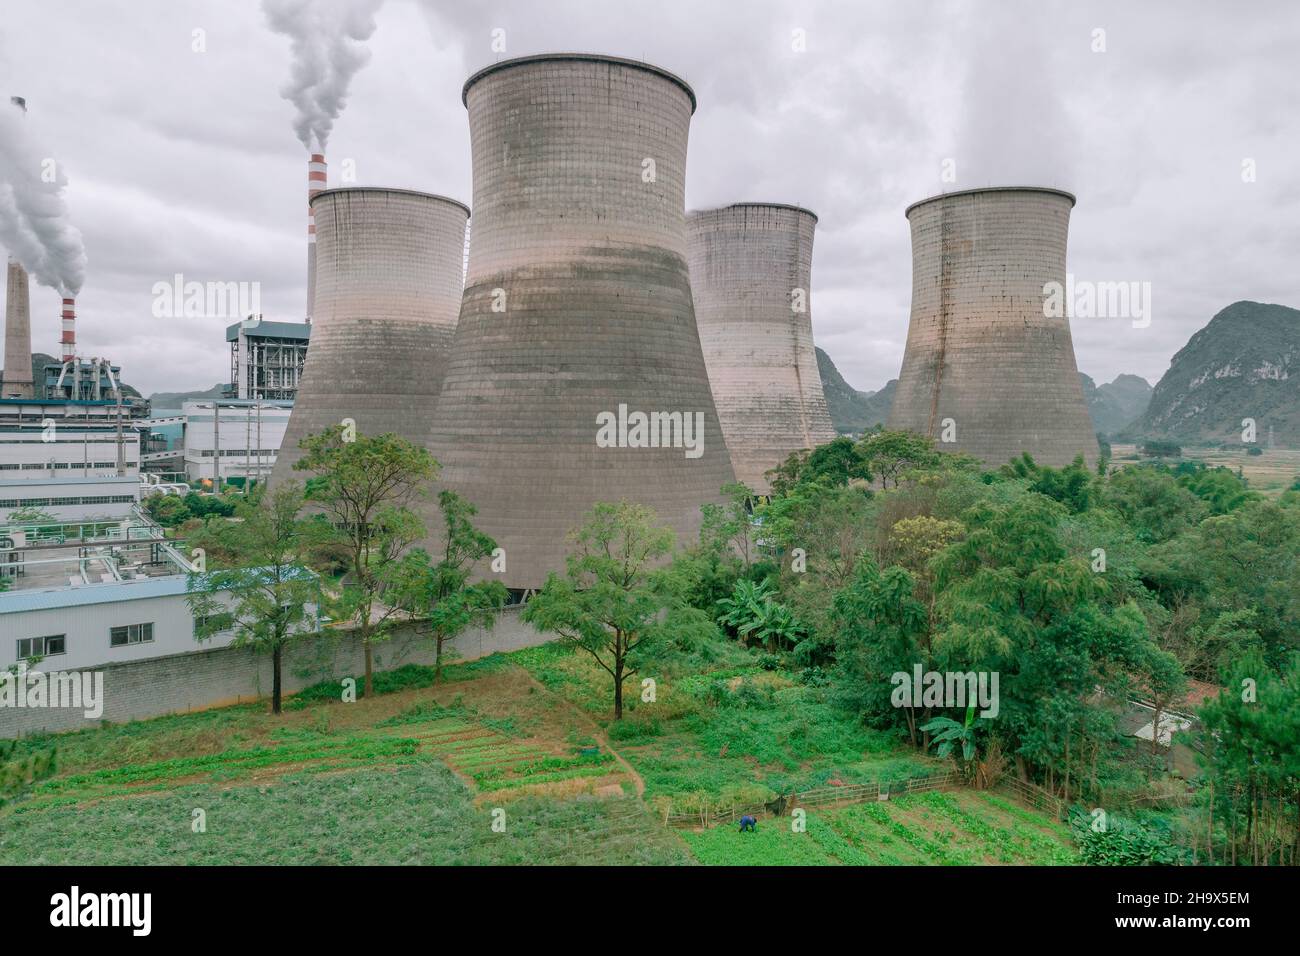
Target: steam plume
328, 44
34, 223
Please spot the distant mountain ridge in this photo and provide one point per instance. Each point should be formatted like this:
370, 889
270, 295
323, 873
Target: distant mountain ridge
1116, 404
852, 411
175, 399
1244, 364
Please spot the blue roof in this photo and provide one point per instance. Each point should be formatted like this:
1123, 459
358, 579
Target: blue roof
45, 599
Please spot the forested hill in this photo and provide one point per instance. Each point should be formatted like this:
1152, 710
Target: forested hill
1244, 364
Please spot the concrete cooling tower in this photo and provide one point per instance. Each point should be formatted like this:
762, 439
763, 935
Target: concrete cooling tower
18, 335
751, 268
576, 375
983, 364
388, 287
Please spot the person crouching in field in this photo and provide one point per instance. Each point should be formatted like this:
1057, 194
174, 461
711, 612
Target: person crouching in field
747, 822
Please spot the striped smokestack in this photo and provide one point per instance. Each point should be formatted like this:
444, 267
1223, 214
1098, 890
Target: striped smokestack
315, 183
69, 329
18, 335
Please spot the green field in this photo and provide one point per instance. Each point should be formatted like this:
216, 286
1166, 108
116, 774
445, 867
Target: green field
1270, 473
962, 828
419, 774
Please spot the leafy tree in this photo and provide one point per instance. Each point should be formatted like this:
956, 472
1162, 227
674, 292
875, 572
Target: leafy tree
751, 612
1071, 485
956, 740
835, 463
882, 630
440, 591
266, 598
167, 510
1251, 753
1220, 489
1153, 503
616, 601
367, 485
891, 455
729, 527
1161, 448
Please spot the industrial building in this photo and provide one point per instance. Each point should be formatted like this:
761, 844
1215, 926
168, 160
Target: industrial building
85, 598
233, 439
388, 277
751, 274
577, 312
266, 358
985, 371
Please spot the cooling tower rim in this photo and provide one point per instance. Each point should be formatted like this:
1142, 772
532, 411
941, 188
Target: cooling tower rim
387, 189
584, 57
761, 205
992, 189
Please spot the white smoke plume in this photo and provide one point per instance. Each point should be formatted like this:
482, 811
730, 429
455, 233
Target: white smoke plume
328, 45
34, 223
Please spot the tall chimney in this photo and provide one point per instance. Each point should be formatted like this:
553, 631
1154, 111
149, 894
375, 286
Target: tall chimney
18, 322
18, 335
315, 183
69, 329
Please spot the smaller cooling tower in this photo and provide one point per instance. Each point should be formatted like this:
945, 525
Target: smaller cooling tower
388, 290
983, 363
18, 335
751, 268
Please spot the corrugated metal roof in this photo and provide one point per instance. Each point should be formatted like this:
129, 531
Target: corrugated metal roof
45, 599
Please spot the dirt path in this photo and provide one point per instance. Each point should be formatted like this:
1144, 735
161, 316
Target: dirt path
596, 732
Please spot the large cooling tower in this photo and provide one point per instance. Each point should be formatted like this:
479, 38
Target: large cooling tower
18, 335
983, 363
751, 267
577, 310
388, 287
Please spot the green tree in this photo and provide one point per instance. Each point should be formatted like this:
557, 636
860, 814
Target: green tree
267, 599
616, 601
367, 486
1251, 752
892, 455
440, 591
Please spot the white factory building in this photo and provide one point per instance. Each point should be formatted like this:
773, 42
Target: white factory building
233, 438
83, 602
220, 439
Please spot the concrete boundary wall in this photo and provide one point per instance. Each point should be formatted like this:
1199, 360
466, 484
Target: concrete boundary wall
205, 678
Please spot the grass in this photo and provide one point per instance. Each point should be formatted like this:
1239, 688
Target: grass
963, 828
414, 774
416, 814
733, 733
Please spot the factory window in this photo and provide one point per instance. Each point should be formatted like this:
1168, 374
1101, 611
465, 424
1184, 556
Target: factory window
214, 623
130, 634
41, 646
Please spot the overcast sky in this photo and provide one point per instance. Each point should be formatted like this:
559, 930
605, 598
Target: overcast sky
187, 162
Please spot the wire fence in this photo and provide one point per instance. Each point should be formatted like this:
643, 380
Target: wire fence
819, 797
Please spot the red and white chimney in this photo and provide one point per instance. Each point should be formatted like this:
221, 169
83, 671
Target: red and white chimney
315, 183
69, 329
